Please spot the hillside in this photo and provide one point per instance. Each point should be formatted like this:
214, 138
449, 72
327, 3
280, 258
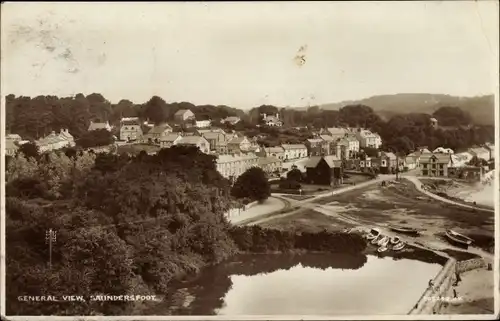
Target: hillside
481, 108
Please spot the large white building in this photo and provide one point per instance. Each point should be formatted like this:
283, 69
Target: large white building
233, 165
294, 151
99, 125
55, 141
368, 139
130, 129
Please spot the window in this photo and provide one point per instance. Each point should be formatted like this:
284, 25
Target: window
441, 173
425, 165
425, 172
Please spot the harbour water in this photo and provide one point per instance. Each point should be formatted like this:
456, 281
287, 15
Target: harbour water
310, 284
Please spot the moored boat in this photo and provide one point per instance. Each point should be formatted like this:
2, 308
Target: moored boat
382, 249
375, 240
403, 229
374, 233
399, 246
383, 241
395, 240
457, 238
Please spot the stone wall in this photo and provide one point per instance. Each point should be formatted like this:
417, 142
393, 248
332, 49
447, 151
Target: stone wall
428, 302
472, 264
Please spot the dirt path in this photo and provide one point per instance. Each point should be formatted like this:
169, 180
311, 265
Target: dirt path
418, 184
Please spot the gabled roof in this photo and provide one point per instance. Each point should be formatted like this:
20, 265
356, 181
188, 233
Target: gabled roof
96, 126
213, 135
268, 160
231, 119
237, 140
181, 112
227, 158
440, 158
337, 131
390, 155
13, 137
191, 140
327, 138
351, 138
170, 137
331, 160
478, 150
314, 140
275, 149
159, 129
410, 159
293, 146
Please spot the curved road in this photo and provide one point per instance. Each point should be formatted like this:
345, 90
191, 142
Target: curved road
418, 185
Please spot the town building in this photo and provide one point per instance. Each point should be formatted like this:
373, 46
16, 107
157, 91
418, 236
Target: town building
341, 148
328, 147
183, 115
154, 135
335, 132
55, 141
410, 162
324, 170
169, 140
353, 145
277, 151
13, 137
294, 151
272, 120
215, 138
442, 150
99, 125
480, 152
130, 130
232, 120
368, 139
316, 147
365, 164
270, 164
435, 165
388, 162
205, 123
11, 147
197, 141
239, 144
231, 166
461, 159
434, 123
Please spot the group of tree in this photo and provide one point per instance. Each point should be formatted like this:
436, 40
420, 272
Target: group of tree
35, 117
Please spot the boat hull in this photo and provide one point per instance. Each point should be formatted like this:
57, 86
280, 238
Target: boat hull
458, 239
399, 246
403, 230
383, 241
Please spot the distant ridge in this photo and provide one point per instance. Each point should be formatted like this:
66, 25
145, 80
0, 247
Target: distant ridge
481, 108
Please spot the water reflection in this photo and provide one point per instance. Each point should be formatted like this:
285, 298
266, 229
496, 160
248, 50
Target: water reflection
310, 284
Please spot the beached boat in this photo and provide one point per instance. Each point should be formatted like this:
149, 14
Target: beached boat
457, 238
383, 241
395, 240
373, 234
399, 246
375, 240
403, 229
382, 249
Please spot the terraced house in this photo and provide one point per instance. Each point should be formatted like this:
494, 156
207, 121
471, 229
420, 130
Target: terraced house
294, 151
198, 141
55, 141
233, 165
155, 135
435, 165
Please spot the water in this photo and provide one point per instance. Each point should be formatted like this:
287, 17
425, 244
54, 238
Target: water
485, 195
311, 284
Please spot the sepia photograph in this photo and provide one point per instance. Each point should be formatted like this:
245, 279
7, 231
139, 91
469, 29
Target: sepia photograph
250, 160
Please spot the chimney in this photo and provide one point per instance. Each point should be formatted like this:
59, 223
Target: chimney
277, 115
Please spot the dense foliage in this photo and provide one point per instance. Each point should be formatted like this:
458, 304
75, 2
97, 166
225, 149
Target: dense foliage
253, 184
94, 138
124, 225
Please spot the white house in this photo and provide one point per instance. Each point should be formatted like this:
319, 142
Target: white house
99, 125
156, 133
170, 140
294, 151
480, 152
233, 165
368, 139
233, 120
442, 150
353, 147
336, 132
203, 123
130, 130
55, 141
183, 114
197, 141
272, 120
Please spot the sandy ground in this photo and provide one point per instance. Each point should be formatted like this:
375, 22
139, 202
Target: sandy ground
270, 205
476, 290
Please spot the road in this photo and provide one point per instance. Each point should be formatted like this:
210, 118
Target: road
418, 184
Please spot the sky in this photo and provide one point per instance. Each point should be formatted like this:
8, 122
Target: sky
245, 54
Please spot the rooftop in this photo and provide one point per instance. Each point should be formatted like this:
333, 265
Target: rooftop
228, 158
440, 158
159, 129
331, 160
170, 137
191, 140
294, 146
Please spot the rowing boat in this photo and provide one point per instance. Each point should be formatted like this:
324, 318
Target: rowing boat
399, 246
395, 240
375, 240
403, 229
374, 233
382, 249
383, 241
457, 238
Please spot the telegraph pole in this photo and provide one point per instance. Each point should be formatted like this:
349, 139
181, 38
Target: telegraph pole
50, 237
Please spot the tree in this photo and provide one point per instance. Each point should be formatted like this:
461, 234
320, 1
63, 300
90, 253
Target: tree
95, 138
252, 184
294, 175
155, 110
29, 150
